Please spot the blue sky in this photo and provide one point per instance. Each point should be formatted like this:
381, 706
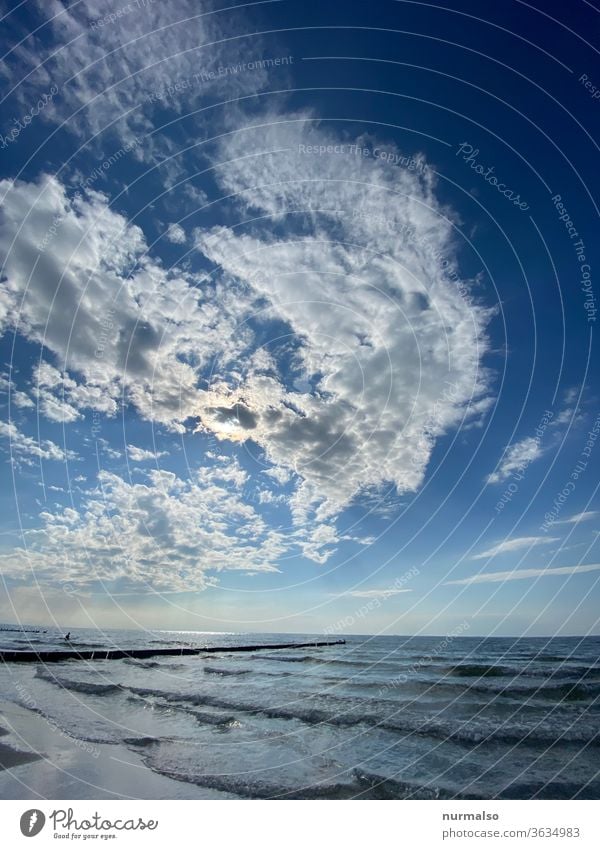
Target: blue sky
298, 310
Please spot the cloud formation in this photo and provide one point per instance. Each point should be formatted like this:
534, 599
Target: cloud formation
164, 534
380, 348
140, 455
332, 338
27, 450
514, 544
116, 63
516, 458
382, 593
118, 324
523, 574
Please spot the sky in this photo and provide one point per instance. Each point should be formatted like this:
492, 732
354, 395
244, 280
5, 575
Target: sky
298, 306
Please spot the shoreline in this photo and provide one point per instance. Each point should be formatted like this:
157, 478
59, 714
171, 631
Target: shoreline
56, 767
11, 757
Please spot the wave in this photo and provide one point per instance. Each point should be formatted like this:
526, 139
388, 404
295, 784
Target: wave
468, 732
559, 688
88, 687
32, 641
283, 658
570, 692
220, 722
565, 672
60, 725
215, 670
551, 790
318, 660
154, 664
565, 691
142, 742
380, 787
91, 688
474, 670
360, 785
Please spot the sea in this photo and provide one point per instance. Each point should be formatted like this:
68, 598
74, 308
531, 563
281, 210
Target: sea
382, 717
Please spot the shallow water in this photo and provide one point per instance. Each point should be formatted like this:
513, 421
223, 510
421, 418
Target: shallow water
381, 717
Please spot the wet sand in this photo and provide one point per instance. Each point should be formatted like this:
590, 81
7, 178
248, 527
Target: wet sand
11, 757
39, 763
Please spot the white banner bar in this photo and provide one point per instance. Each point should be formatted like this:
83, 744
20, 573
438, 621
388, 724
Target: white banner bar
303, 824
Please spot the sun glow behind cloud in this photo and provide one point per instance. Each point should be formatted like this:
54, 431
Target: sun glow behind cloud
316, 335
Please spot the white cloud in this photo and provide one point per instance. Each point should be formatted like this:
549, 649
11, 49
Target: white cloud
379, 344
176, 234
61, 398
386, 349
118, 72
580, 517
119, 323
140, 455
17, 397
26, 449
571, 413
165, 534
383, 593
279, 474
516, 458
108, 449
522, 574
515, 544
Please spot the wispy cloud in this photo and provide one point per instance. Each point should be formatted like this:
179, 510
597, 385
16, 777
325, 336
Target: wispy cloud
522, 574
516, 458
25, 448
513, 545
383, 593
140, 455
117, 74
176, 234
579, 517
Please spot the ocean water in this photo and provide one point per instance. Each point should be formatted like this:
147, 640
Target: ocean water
377, 718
